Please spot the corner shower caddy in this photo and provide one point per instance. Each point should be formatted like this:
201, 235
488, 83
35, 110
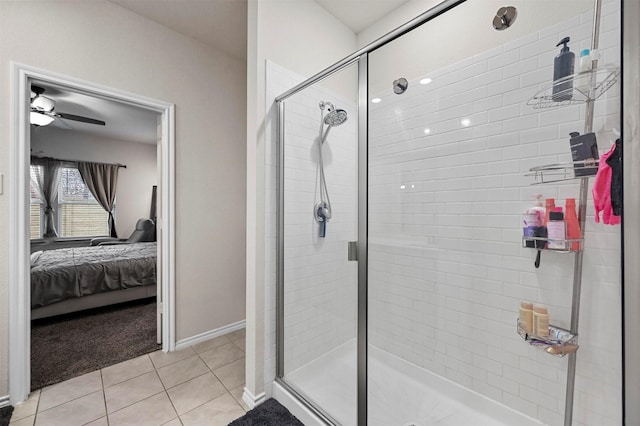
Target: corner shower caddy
599, 81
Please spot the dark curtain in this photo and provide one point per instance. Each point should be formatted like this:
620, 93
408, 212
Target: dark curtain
102, 181
46, 180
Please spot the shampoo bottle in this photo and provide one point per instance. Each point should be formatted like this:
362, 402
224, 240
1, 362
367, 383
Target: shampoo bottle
540, 321
526, 316
584, 65
563, 66
556, 230
571, 220
533, 220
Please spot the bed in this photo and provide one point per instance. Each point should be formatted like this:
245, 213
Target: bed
72, 279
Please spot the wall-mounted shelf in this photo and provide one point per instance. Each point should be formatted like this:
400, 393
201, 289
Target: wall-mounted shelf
559, 343
563, 171
565, 246
599, 80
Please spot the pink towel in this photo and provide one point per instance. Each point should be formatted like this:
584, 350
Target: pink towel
602, 191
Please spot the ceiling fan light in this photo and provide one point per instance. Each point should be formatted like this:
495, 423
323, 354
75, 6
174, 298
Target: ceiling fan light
43, 103
39, 119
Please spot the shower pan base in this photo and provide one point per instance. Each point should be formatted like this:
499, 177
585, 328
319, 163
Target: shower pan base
400, 393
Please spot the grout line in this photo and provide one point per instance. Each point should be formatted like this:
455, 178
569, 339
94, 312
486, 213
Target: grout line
167, 393
104, 398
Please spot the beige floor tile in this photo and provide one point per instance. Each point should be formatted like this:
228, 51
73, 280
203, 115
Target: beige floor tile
210, 344
27, 408
182, 371
100, 422
69, 390
219, 412
153, 411
237, 334
133, 390
231, 375
126, 370
174, 422
77, 412
26, 421
240, 343
161, 359
189, 395
237, 394
223, 355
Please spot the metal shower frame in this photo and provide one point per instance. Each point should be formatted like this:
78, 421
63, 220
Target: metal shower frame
631, 352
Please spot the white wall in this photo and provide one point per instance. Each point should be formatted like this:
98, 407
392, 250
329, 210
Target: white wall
447, 270
135, 182
304, 38
103, 43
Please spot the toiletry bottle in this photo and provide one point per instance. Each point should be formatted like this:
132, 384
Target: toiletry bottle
526, 316
540, 321
533, 219
563, 65
550, 204
571, 220
584, 65
556, 230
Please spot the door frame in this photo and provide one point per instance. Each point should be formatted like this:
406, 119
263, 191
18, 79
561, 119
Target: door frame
19, 253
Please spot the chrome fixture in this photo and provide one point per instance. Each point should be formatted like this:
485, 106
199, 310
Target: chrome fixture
400, 86
334, 117
505, 17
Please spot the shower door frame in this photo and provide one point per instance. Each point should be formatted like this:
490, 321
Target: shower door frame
361, 57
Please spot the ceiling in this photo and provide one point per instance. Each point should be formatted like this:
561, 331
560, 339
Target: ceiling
223, 23
123, 122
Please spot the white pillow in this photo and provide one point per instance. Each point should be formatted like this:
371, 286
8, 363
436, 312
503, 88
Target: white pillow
35, 256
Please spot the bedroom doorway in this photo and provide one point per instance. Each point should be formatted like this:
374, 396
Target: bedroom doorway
25, 78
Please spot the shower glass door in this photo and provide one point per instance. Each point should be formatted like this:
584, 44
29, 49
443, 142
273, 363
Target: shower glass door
452, 135
318, 186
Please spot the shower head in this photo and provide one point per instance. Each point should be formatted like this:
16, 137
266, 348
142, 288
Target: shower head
335, 117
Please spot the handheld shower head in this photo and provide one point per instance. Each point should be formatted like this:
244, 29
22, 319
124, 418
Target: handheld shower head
335, 117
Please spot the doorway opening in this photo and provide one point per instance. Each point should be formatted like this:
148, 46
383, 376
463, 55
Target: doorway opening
24, 78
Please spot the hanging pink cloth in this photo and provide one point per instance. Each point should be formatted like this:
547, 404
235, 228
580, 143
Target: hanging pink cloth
602, 191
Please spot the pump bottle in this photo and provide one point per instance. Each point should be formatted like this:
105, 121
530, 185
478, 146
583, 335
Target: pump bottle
563, 66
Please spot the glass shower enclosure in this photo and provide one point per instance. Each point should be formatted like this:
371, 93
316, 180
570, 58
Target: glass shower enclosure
403, 174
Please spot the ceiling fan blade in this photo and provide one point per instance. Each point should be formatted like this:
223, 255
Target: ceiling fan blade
79, 118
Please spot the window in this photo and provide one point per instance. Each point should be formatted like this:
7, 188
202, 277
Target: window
36, 213
78, 213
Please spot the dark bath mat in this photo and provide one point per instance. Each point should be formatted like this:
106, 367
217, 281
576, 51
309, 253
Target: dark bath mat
70, 345
5, 415
269, 413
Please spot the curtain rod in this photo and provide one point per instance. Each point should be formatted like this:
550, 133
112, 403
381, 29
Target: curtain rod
124, 166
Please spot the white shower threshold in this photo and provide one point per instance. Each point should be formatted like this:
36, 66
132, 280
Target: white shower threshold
400, 394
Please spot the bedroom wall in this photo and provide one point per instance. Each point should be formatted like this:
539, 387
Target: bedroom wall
133, 197
106, 44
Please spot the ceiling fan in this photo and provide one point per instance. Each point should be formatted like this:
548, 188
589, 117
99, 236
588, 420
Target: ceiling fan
42, 110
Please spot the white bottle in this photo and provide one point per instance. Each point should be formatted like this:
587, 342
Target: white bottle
584, 65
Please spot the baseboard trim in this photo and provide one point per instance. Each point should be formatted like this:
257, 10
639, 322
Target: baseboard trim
251, 400
211, 334
4, 401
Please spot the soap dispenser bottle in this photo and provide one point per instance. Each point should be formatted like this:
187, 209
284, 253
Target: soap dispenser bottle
563, 66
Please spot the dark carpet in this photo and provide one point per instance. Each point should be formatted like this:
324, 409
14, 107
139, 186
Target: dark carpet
5, 415
74, 344
269, 413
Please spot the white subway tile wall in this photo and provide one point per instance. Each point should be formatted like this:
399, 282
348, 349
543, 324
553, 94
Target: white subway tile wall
320, 283
447, 269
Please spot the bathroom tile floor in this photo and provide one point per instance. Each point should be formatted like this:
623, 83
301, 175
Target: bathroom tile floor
199, 385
